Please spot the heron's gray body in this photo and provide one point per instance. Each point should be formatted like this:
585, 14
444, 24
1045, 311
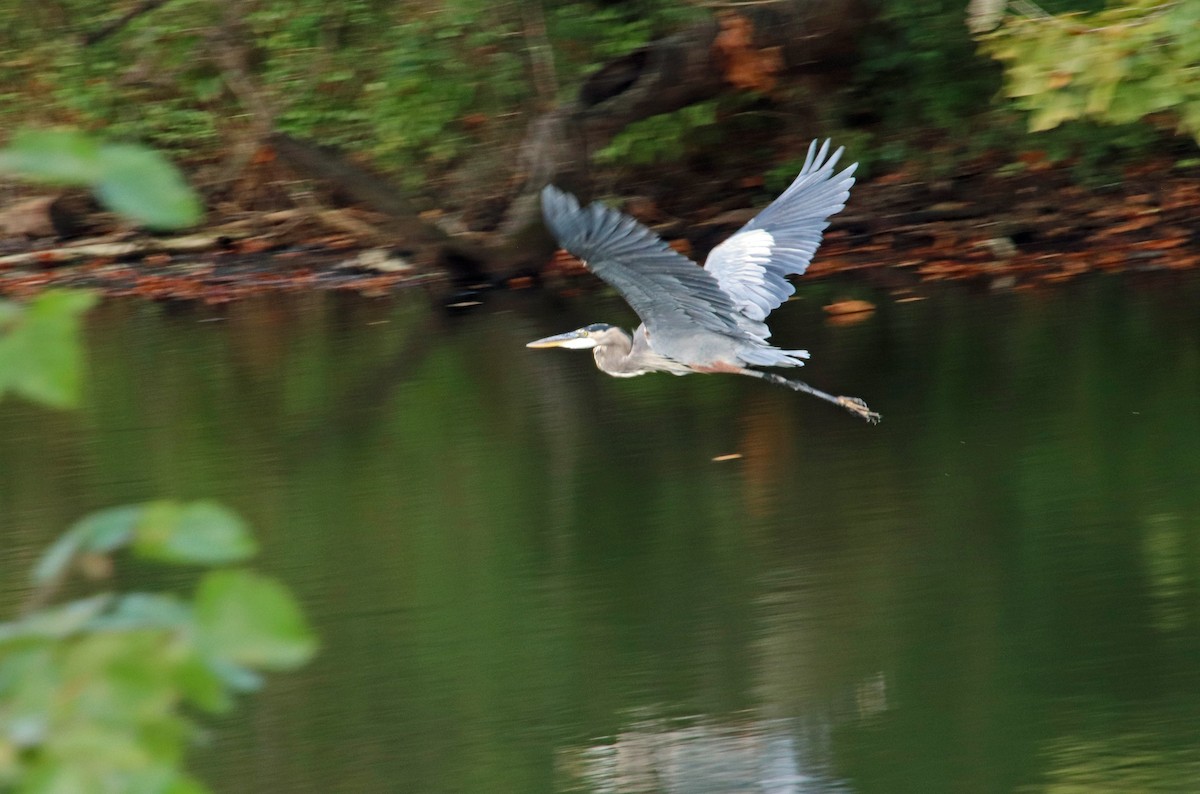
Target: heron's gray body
709, 319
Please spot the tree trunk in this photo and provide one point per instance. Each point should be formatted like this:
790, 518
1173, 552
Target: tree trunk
747, 48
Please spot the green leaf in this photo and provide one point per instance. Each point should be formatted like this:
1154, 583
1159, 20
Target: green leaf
252, 620
234, 676
29, 680
143, 611
105, 531
56, 622
203, 686
199, 533
40, 355
1053, 109
141, 184
1100, 97
65, 157
160, 779
57, 559
132, 180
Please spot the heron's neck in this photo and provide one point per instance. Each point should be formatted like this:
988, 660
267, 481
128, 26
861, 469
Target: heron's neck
612, 355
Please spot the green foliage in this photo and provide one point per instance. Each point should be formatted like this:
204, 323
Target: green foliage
918, 67
40, 357
598, 33
413, 84
197, 533
661, 138
93, 691
131, 180
420, 86
1117, 65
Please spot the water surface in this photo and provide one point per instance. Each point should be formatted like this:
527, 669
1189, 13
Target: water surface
530, 577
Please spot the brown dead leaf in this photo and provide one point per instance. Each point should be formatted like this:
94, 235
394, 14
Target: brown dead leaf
682, 245
566, 264
254, 245
265, 154
744, 65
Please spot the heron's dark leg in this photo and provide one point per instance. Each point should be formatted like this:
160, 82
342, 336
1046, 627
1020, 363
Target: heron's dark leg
851, 404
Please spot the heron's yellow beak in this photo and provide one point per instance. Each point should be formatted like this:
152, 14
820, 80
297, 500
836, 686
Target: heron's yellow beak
573, 340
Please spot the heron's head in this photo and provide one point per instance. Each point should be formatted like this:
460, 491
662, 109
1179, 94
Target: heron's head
580, 339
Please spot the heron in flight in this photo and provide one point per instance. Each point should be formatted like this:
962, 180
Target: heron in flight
709, 319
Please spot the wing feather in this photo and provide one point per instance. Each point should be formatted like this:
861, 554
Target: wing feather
671, 293
752, 266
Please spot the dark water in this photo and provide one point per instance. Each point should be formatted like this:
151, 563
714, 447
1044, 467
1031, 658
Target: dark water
529, 577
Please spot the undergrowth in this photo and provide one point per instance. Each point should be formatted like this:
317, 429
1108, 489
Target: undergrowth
418, 87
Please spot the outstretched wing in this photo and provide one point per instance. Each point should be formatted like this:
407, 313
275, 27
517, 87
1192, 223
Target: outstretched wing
752, 266
671, 293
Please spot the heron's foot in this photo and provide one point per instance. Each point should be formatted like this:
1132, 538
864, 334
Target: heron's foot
858, 407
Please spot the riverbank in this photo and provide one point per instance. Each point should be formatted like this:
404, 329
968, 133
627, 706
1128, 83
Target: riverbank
1011, 226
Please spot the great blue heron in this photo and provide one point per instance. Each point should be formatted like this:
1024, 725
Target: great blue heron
708, 319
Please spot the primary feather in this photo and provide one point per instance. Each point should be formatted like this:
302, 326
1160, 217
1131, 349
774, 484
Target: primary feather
752, 266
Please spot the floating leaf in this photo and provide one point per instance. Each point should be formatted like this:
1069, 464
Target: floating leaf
198, 533
252, 620
852, 306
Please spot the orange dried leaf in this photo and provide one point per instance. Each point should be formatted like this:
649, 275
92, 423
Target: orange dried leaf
744, 65
682, 245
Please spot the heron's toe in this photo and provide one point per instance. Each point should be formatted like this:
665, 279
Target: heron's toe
857, 406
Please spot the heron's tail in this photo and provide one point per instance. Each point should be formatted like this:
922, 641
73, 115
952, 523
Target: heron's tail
852, 404
767, 356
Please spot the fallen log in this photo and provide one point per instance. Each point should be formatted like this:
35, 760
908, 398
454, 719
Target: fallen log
420, 242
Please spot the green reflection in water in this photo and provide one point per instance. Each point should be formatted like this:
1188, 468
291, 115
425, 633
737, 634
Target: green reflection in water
529, 577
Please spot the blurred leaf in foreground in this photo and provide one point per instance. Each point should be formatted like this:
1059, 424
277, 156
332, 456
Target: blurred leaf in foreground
98, 694
252, 620
132, 180
140, 183
197, 533
190, 533
40, 356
